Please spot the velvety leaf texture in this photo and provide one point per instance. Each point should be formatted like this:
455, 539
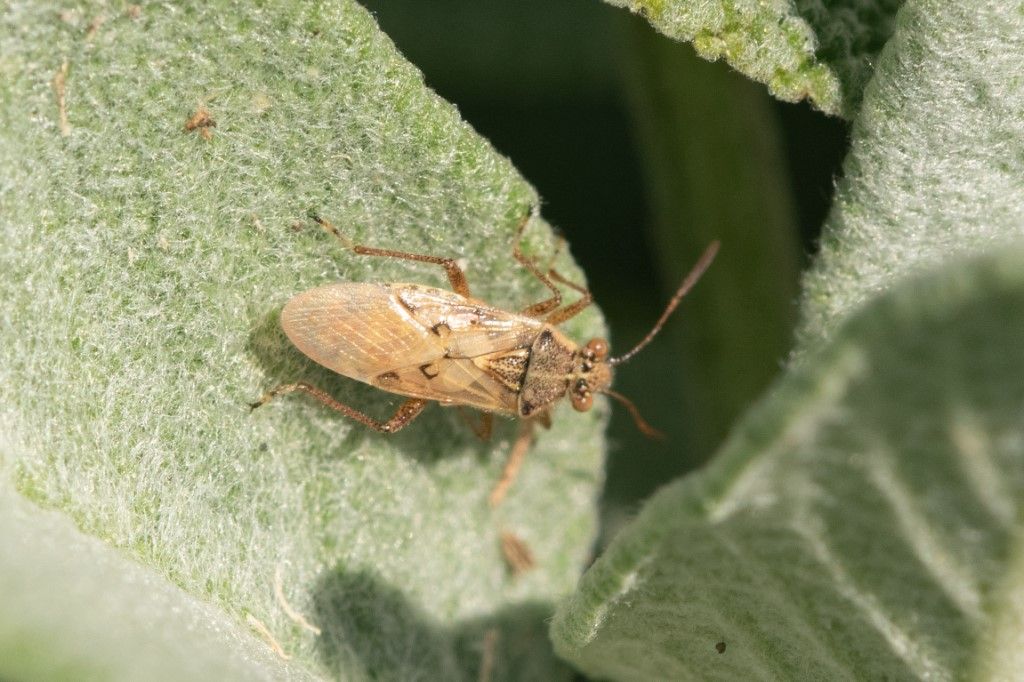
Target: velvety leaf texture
861, 524
809, 49
157, 167
937, 164
863, 521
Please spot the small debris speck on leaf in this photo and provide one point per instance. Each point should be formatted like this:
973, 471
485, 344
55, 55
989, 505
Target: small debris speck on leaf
201, 121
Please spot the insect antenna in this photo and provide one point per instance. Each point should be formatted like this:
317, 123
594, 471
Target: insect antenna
640, 422
684, 288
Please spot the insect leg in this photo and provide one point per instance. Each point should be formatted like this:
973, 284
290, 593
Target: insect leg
456, 276
547, 305
483, 431
544, 418
574, 308
289, 610
408, 410
515, 460
517, 553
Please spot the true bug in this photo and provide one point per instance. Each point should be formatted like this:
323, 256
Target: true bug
445, 346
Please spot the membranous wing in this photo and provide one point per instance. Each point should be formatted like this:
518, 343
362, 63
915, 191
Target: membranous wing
415, 340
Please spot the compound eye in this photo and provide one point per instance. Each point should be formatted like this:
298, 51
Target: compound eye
582, 400
599, 347
582, 403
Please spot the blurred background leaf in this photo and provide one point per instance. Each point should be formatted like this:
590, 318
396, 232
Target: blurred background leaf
715, 169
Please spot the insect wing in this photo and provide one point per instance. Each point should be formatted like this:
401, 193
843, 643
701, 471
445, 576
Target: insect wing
466, 328
451, 381
354, 329
408, 339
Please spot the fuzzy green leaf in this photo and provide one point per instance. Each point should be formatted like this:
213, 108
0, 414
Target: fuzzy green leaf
864, 521
937, 164
142, 270
77, 609
820, 51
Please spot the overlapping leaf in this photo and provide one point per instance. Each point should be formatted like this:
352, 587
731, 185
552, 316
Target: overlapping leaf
821, 51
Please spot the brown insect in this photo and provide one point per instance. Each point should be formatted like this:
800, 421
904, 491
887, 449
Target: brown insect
445, 346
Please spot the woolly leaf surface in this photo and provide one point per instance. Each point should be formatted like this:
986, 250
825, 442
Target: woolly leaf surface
142, 271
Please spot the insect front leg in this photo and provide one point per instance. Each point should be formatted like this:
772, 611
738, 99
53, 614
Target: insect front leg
456, 277
548, 304
515, 461
574, 308
548, 279
408, 410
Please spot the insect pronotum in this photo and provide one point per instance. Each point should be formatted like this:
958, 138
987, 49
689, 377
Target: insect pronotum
431, 344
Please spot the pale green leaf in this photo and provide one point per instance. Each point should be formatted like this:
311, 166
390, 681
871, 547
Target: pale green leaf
863, 522
809, 49
142, 270
77, 609
937, 164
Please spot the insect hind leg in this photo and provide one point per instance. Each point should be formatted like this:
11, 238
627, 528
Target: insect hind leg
406, 412
456, 277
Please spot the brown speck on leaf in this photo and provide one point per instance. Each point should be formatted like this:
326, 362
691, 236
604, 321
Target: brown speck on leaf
94, 26
201, 121
296, 226
517, 553
60, 81
133, 11
720, 647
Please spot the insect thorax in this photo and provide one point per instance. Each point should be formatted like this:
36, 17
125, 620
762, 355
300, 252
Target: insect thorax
548, 372
509, 368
